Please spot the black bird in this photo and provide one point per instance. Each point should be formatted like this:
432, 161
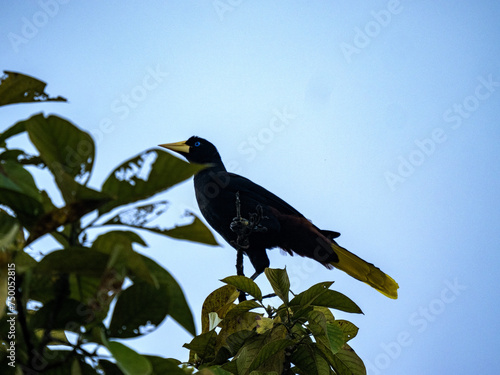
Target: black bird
280, 224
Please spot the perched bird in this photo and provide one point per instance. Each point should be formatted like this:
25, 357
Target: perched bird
277, 224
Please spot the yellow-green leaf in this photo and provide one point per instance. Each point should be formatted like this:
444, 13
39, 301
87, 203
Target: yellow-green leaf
145, 175
279, 282
138, 217
21, 88
347, 362
62, 146
219, 301
139, 309
128, 360
245, 284
178, 308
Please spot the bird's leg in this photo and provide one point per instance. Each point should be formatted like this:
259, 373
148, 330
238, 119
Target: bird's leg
243, 229
254, 276
239, 271
239, 262
240, 225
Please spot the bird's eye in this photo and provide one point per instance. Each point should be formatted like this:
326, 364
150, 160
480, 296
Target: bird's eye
196, 144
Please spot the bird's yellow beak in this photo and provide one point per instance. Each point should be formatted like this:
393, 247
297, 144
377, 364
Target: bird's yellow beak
181, 147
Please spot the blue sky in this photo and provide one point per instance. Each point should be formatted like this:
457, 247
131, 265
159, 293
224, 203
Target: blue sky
378, 119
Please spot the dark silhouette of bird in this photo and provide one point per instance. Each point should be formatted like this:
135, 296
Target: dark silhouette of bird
274, 222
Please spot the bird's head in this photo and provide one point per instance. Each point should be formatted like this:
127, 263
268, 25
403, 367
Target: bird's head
195, 150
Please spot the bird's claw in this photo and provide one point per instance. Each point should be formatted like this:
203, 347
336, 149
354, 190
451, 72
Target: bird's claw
238, 224
244, 227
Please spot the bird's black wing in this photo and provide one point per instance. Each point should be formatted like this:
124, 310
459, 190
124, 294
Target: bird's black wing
256, 192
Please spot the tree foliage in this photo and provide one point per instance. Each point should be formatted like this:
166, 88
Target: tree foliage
61, 299
69, 307
301, 336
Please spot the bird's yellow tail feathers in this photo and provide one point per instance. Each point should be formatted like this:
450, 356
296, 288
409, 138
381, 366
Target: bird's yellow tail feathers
365, 272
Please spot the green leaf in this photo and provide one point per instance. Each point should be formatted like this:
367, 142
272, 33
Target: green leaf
236, 340
195, 231
106, 241
262, 352
241, 308
305, 298
213, 370
139, 309
230, 367
137, 217
178, 308
347, 362
317, 323
22, 158
24, 262
326, 312
21, 88
62, 146
309, 360
140, 215
269, 350
118, 244
335, 336
336, 300
110, 368
320, 295
11, 155
145, 175
27, 209
349, 329
55, 362
318, 326
247, 321
203, 345
244, 360
279, 282
15, 129
219, 301
21, 177
244, 284
164, 365
11, 234
82, 261
41, 286
67, 314
84, 288
128, 360
18, 191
